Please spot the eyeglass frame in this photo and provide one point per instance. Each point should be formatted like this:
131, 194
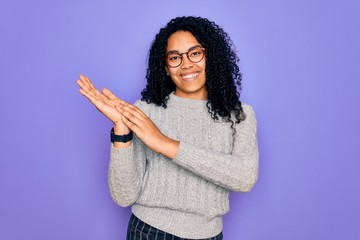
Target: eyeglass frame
187, 55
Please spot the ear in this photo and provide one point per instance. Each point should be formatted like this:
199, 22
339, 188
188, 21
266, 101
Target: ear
167, 71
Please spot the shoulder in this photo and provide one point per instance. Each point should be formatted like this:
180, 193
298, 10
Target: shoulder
250, 117
143, 105
140, 104
248, 109
147, 108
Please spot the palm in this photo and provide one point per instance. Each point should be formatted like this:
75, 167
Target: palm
105, 102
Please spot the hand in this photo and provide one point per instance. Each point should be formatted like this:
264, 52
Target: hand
146, 130
105, 102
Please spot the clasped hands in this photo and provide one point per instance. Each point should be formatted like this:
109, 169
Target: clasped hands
126, 117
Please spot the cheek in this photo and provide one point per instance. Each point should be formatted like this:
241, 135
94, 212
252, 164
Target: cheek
172, 71
203, 64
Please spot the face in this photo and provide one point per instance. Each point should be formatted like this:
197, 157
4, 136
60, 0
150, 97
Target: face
189, 77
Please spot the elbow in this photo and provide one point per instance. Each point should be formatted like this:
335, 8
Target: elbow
246, 187
247, 180
122, 200
123, 193
124, 197
247, 184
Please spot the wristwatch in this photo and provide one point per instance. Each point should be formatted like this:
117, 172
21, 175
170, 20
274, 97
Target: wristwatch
120, 138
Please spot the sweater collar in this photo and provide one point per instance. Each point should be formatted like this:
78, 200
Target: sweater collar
185, 102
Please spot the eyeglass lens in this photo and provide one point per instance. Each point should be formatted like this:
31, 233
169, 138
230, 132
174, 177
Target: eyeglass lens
194, 55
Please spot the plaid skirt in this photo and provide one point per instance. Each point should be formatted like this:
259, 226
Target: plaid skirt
138, 230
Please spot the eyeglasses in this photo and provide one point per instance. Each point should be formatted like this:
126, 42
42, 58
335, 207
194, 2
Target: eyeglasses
195, 54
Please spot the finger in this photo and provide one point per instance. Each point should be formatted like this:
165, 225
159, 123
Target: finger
84, 87
111, 99
139, 111
84, 78
109, 94
87, 95
130, 125
91, 84
96, 95
95, 101
142, 123
87, 82
132, 110
92, 93
131, 107
90, 87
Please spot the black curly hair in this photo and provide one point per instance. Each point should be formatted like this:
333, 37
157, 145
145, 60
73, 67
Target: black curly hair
223, 77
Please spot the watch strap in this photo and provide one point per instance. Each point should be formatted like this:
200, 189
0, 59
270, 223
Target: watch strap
120, 138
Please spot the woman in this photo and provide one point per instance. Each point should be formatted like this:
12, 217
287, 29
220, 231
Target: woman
193, 139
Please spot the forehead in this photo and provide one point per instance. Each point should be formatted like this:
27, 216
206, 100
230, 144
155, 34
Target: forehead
181, 41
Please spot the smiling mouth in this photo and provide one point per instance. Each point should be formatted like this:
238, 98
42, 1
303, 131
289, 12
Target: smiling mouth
189, 77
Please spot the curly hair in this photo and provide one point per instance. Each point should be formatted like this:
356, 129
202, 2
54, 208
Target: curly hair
223, 77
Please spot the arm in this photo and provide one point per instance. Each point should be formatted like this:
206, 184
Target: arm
127, 161
237, 171
139, 122
127, 166
126, 172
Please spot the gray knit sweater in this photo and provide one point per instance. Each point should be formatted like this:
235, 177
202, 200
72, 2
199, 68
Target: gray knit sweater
187, 195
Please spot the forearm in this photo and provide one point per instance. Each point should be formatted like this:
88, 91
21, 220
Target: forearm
238, 173
236, 169
125, 176
167, 147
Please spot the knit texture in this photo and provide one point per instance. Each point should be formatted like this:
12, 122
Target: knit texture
187, 195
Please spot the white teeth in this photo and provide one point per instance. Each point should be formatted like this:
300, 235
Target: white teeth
190, 76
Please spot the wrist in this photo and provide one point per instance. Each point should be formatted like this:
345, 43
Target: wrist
123, 138
169, 147
121, 129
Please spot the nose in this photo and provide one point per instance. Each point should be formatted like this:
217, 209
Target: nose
186, 63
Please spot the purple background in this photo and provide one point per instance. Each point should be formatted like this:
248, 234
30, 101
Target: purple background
300, 61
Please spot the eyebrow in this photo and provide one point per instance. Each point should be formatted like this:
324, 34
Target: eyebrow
176, 51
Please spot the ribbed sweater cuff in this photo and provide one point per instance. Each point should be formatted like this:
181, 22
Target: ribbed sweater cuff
121, 153
181, 224
182, 156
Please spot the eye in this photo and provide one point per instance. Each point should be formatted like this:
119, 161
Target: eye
195, 53
174, 57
